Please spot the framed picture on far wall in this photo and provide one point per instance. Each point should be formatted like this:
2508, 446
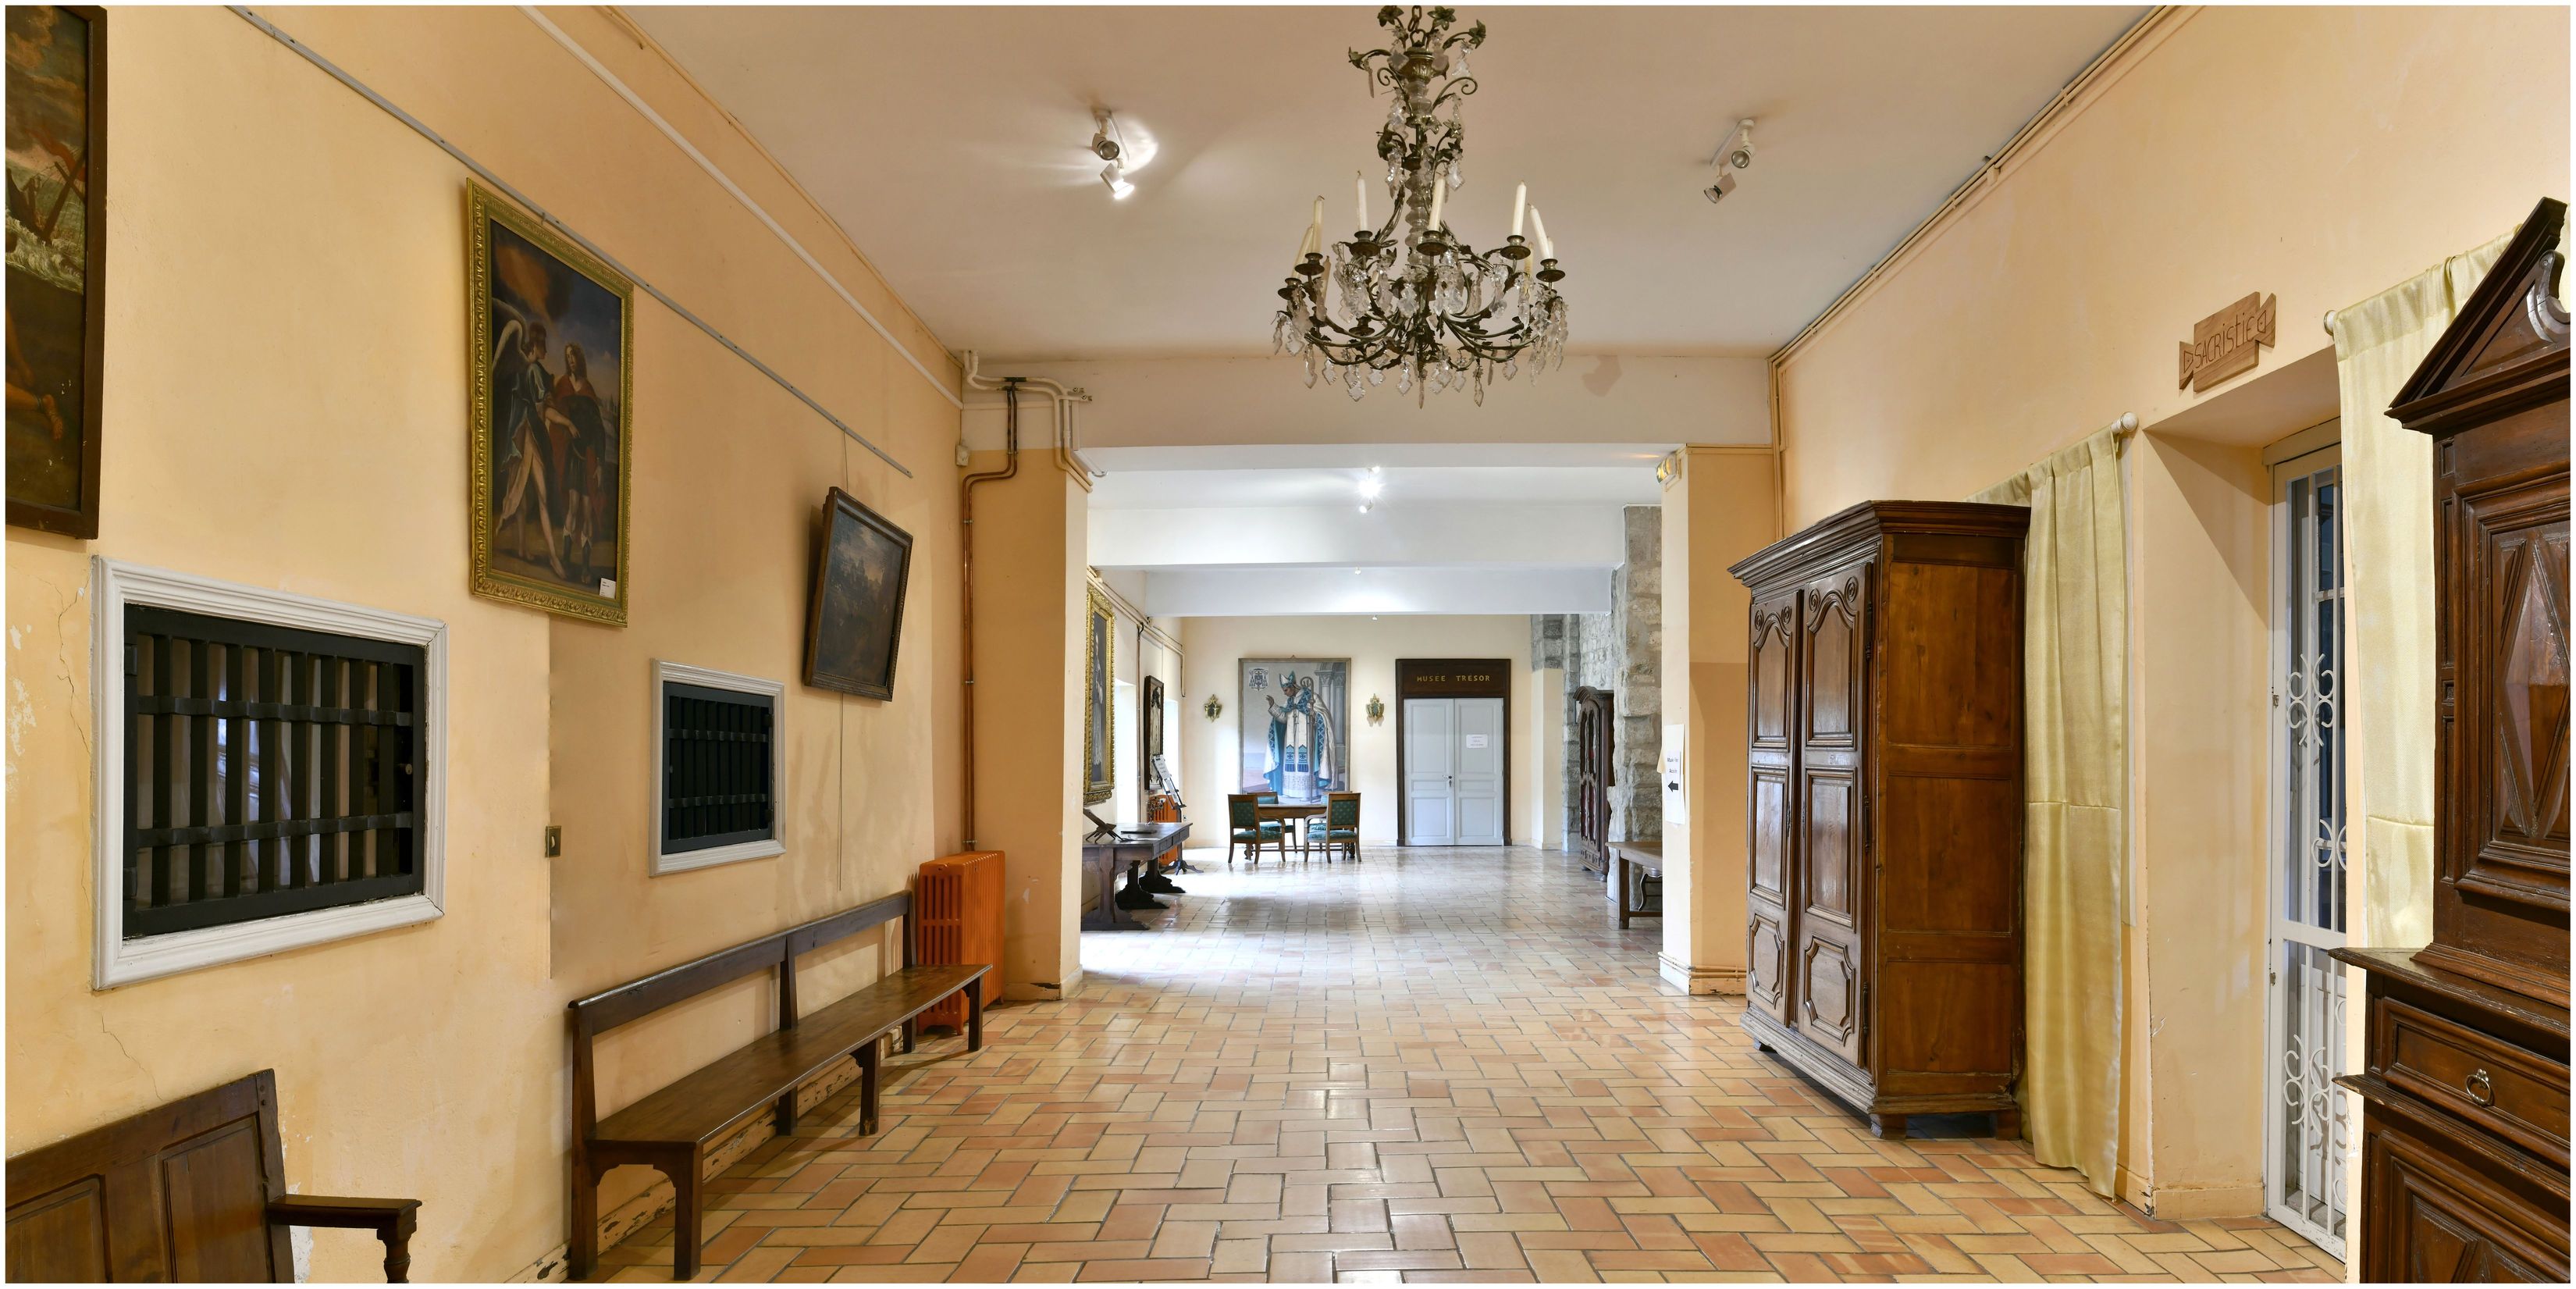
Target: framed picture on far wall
552, 335
854, 621
57, 131
1099, 722
1296, 723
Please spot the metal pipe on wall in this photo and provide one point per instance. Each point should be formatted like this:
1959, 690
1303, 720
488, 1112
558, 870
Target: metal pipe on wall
966, 573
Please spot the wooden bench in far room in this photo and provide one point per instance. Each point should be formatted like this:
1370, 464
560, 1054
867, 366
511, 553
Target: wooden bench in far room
1631, 862
191, 1191
672, 1129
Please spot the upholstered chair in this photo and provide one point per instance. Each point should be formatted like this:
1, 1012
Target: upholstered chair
1246, 828
1339, 829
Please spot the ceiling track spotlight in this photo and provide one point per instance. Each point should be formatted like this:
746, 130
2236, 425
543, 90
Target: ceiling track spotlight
1106, 145
1734, 153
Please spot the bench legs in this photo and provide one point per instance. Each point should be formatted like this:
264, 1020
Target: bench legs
585, 1216
867, 1087
911, 1030
687, 1217
975, 1016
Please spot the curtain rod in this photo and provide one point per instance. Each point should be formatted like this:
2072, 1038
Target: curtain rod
503, 186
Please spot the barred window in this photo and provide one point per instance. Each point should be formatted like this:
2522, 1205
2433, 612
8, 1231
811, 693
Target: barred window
269, 770
717, 779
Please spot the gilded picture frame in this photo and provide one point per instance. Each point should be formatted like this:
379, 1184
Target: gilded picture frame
57, 265
1099, 721
542, 438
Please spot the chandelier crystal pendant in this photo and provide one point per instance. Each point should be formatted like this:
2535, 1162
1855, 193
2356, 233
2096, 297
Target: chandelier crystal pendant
1410, 296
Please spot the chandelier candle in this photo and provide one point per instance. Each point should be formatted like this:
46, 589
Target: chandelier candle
1409, 296
1546, 248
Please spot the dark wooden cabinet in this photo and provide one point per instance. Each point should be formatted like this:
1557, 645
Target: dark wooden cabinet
1884, 785
2464, 1131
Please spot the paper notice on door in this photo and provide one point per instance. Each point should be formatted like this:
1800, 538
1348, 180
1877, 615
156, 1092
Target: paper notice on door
1476, 740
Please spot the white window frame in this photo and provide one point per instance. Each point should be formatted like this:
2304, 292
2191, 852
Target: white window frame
118, 961
660, 864
2300, 457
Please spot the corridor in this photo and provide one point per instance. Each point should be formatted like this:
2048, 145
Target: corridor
1432, 1066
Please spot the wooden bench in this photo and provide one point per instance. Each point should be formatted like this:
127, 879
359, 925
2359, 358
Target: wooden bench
1630, 863
671, 1129
192, 1191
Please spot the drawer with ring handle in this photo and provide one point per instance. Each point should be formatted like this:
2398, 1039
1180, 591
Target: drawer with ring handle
2514, 1093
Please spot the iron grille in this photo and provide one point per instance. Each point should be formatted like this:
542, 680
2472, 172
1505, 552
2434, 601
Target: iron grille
268, 770
716, 780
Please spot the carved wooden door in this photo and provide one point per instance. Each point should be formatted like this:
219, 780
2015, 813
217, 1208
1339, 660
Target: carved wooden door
1594, 743
1770, 753
1830, 870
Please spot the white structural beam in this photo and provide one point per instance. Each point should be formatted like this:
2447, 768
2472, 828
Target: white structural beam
1429, 533
1273, 591
1593, 398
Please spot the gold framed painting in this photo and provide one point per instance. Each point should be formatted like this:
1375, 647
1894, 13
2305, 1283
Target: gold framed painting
57, 298
1099, 721
551, 331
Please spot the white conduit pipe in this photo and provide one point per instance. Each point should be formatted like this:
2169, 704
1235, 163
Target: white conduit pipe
1064, 400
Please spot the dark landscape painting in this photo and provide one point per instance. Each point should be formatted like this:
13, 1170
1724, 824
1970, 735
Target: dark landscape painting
57, 56
856, 618
551, 434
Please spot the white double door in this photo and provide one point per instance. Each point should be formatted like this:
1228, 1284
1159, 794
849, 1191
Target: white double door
1453, 771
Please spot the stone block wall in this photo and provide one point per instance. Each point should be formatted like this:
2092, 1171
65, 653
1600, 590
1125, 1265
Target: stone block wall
1621, 651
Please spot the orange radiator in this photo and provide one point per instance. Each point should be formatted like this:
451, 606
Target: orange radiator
957, 917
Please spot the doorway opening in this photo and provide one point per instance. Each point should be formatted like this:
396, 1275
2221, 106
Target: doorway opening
1453, 749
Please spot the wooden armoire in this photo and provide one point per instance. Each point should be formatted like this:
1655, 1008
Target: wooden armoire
2464, 1081
1884, 738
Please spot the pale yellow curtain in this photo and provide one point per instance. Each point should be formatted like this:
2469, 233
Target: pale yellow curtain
2388, 562
2075, 731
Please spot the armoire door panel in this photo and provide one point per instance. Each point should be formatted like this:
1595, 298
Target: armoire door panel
1951, 638
1947, 848
2448, 1223
1774, 663
2521, 822
1770, 832
1939, 1018
1829, 996
1829, 844
1834, 654
1766, 969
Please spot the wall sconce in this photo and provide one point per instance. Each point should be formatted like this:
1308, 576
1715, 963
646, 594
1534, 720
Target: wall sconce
1376, 710
1215, 707
1670, 468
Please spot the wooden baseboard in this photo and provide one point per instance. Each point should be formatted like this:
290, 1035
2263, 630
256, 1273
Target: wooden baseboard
1701, 980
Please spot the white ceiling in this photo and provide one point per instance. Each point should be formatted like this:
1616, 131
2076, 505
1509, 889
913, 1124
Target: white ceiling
1330, 476
950, 143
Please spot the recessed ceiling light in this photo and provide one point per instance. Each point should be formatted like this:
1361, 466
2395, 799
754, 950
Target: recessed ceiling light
1371, 486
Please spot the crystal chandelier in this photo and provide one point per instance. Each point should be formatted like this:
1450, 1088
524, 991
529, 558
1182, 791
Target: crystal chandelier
1410, 296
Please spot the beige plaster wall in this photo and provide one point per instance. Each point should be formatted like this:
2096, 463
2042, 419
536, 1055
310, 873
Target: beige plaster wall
1029, 598
1210, 751
286, 407
1722, 507
2321, 154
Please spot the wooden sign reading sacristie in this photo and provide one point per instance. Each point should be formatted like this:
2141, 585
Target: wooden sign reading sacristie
2226, 343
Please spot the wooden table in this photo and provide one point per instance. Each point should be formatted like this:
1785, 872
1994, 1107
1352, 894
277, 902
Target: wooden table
1291, 815
1629, 857
1140, 847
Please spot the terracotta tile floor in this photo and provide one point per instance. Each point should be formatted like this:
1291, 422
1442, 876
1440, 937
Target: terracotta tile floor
1433, 1066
